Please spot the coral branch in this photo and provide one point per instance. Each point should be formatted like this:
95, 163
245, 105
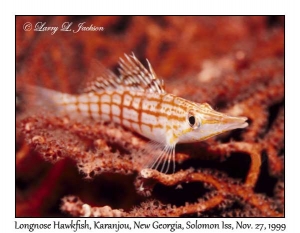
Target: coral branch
253, 150
224, 187
76, 207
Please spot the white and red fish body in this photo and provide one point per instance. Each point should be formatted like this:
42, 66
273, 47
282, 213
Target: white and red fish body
137, 100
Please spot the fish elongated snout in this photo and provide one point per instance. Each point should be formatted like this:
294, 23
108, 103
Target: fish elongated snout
218, 122
234, 122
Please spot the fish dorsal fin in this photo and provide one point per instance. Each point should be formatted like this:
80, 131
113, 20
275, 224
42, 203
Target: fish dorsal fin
133, 76
105, 79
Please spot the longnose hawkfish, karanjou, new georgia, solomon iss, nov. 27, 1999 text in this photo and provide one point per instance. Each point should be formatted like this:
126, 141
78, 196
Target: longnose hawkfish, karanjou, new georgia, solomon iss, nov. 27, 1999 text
137, 100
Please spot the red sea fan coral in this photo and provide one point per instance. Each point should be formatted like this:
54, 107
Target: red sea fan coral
236, 64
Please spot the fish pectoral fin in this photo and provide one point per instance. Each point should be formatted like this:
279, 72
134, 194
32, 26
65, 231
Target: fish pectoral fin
159, 156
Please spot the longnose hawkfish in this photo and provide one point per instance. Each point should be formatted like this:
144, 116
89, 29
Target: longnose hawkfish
137, 100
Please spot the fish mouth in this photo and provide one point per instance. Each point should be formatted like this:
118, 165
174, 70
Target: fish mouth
213, 123
235, 122
222, 123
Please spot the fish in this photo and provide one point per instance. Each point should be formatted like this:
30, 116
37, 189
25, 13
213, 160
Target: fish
137, 100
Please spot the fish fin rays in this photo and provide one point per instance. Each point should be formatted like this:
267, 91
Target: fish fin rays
160, 157
40, 99
133, 76
100, 79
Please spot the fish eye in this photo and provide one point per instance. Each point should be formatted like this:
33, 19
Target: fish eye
193, 122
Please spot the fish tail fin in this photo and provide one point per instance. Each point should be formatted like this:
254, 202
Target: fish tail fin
37, 98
